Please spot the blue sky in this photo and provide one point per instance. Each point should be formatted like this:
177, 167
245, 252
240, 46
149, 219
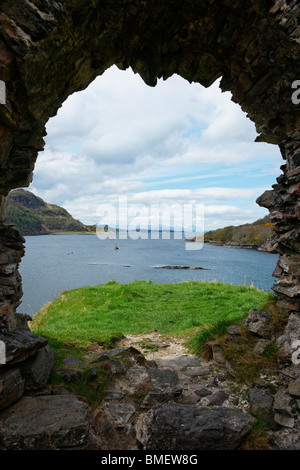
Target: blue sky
176, 143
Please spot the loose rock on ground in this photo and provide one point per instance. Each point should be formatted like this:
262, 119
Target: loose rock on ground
158, 398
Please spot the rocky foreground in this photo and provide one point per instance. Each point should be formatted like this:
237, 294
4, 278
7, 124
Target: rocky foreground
156, 397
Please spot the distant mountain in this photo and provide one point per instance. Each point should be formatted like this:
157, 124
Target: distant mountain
33, 216
252, 236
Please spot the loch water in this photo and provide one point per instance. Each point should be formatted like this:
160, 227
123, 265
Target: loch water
54, 263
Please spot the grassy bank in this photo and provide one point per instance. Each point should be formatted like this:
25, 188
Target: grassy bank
103, 314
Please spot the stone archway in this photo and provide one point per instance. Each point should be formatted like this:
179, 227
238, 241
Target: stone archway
51, 48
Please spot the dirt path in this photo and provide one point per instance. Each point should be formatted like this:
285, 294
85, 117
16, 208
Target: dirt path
156, 346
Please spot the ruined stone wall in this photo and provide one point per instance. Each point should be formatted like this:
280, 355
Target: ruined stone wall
50, 49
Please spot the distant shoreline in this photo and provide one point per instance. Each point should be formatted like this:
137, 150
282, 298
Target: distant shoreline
58, 233
236, 245
244, 246
189, 240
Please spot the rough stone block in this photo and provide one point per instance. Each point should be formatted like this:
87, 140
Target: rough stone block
289, 340
287, 439
20, 344
50, 422
285, 409
36, 369
294, 389
11, 387
261, 401
174, 426
258, 322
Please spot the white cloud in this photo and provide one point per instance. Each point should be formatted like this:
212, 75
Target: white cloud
174, 143
194, 195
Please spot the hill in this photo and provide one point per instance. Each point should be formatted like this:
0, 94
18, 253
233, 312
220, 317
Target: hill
33, 216
252, 236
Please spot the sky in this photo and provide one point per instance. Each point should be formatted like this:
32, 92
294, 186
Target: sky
124, 148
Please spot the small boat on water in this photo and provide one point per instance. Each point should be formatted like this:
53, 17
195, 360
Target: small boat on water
116, 247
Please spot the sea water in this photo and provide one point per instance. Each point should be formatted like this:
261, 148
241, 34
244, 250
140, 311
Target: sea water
54, 263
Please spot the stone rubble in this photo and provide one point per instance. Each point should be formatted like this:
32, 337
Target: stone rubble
167, 399
44, 423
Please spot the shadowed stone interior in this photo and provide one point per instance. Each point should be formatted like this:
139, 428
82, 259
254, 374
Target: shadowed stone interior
50, 49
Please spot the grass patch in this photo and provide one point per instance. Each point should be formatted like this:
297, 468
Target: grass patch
91, 385
249, 365
258, 438
200, 343
103, 314
239, 350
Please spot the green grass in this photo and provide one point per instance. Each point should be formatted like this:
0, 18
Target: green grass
103, 314
92, 387
239, 350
